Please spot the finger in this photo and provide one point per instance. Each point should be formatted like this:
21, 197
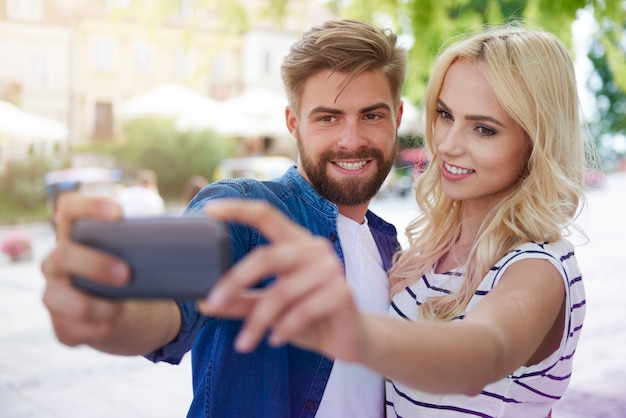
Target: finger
267, 261
272, 223
310, 323
268, 310
238, 306
73, 333
73, 205
68, 302
292, 288
71, 259
79, 318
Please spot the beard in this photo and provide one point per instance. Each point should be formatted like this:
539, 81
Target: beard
349, 191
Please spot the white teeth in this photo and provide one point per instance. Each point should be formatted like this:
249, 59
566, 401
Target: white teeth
351, 166
456, 170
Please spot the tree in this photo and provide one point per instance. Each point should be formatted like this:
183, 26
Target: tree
430, 24
433, 23
610, 99
155, 143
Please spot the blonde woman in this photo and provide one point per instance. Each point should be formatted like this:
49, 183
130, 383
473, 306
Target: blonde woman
487, 301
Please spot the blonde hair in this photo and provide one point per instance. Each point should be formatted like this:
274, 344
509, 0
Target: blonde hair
532, 74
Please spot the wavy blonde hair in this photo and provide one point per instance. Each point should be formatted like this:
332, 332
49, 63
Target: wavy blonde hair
532, 74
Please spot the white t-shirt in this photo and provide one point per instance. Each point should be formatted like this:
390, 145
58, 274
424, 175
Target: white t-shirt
140, 201
354, 390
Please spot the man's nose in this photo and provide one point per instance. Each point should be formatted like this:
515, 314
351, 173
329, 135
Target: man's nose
352, 136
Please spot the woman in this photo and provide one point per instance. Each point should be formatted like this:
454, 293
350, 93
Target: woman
487, 301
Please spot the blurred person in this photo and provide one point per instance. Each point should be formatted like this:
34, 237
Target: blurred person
143, 198
193, 186
343, 81
487, 301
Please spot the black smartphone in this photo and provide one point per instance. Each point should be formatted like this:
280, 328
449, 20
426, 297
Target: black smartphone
177, 258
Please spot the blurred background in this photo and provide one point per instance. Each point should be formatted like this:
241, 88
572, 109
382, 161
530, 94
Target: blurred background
91, 93
95, 93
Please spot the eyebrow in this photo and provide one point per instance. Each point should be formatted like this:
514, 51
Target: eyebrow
473, 117
333, 111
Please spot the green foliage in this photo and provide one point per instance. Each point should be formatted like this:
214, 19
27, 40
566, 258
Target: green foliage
429, 23
610, 99
175, 156
22, 182
433, 23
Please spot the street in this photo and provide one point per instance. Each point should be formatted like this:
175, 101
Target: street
39, 377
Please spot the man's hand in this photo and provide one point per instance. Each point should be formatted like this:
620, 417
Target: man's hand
79, 318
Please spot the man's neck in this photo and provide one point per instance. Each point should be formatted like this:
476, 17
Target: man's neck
356, 213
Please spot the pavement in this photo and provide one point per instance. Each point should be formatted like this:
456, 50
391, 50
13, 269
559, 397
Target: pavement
39, 377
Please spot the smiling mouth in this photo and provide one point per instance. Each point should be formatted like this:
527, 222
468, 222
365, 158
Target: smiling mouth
351, 166
456, 170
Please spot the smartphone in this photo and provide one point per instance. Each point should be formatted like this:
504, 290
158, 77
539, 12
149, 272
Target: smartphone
177, 258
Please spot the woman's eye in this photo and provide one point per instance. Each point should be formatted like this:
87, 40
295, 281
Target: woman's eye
484, 131
444, 115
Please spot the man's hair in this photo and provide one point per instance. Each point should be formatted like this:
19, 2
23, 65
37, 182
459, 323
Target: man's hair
346, 46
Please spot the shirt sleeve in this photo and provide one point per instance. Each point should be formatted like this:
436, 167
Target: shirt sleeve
191, 320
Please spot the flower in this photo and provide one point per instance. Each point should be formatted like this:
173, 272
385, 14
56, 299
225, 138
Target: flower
16, 245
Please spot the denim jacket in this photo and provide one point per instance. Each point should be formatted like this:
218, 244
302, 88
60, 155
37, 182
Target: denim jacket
269, 382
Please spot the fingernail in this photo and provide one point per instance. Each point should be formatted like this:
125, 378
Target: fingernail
119, 273
217, 297
275, 340
242, 342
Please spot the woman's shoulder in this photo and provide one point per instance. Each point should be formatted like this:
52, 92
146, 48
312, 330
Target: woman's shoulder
559, 253
557, 249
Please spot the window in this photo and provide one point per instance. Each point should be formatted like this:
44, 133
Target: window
30, 10
103, 53
103, 127
37, 77
117, 4
267, 63
143, 57
182, 63
186, 9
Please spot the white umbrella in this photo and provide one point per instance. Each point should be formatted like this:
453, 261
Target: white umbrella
255, 112
169, 100
16, 122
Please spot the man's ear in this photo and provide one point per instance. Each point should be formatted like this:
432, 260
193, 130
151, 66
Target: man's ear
399, 115
292, 121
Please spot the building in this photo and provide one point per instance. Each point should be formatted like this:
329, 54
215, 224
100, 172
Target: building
77, 61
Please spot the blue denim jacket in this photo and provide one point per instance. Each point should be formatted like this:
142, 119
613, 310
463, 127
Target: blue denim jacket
269, 382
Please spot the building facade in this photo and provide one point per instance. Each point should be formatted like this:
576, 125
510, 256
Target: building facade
77, 61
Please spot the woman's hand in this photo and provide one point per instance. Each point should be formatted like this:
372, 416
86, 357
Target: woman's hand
309, 304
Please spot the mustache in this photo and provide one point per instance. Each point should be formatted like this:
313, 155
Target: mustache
356, 155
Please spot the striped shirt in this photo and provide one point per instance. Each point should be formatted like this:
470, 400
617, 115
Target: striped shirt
527, 392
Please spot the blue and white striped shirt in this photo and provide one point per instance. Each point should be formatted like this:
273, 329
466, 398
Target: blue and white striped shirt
529, 391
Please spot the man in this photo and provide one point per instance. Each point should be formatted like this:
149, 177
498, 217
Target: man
343, 81
142, 199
